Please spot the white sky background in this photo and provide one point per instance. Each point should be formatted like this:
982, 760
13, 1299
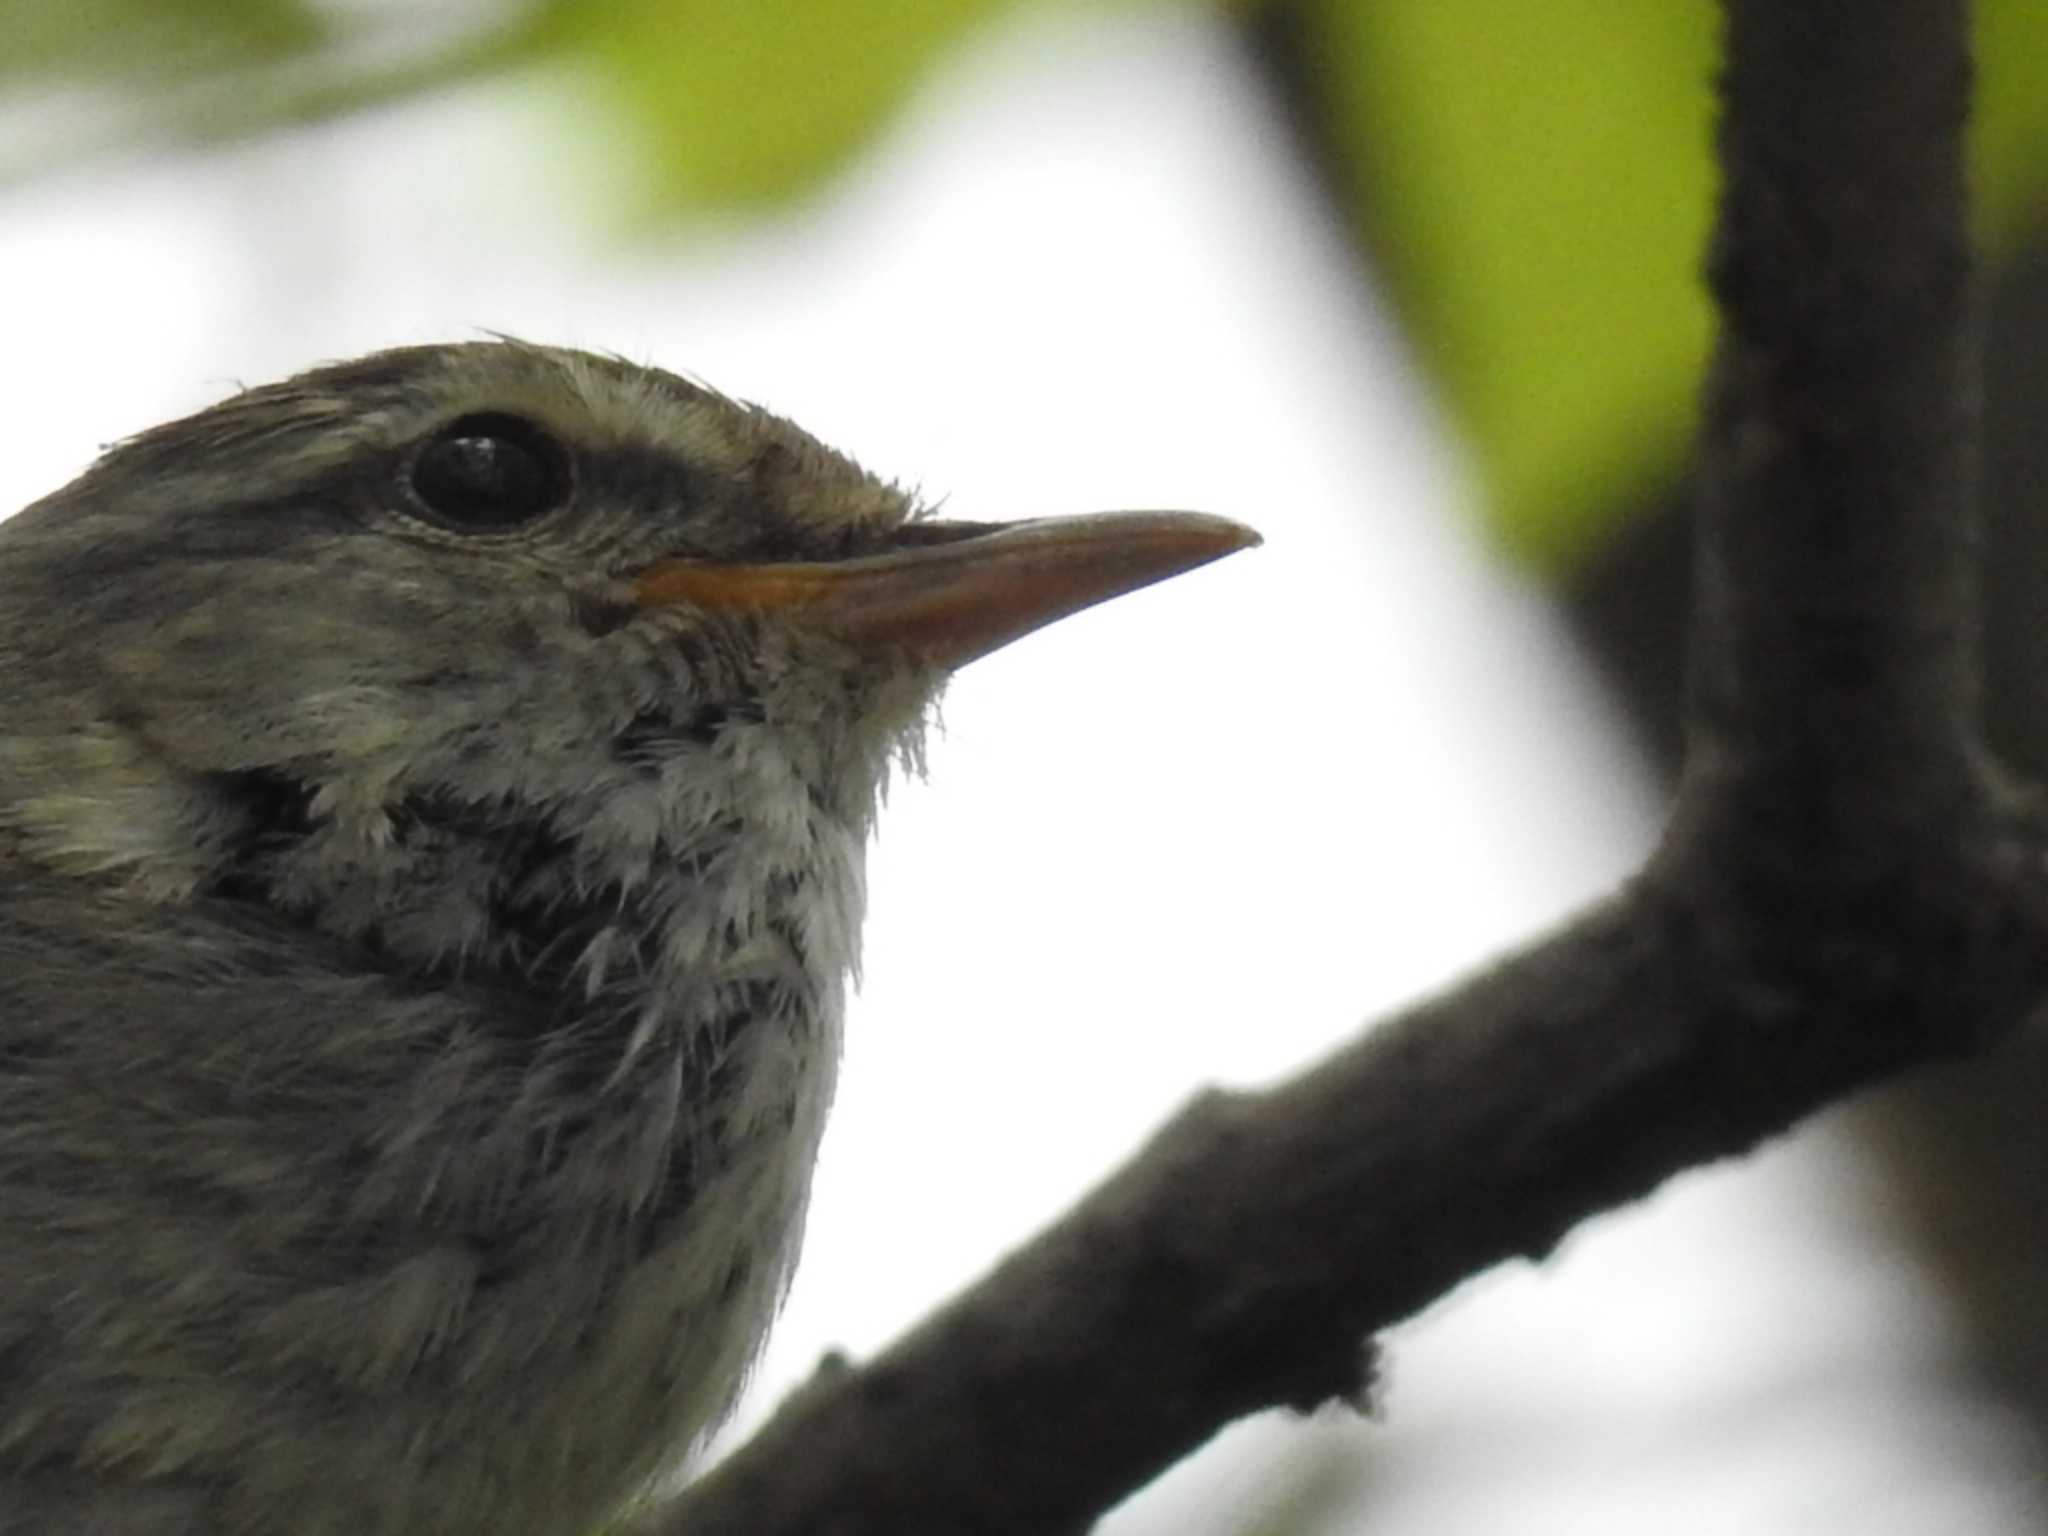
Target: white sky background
1195, 836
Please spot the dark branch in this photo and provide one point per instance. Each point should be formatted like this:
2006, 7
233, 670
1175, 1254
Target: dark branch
1845, 891
1835, 630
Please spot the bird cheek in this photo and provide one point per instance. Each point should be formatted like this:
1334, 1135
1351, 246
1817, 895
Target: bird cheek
204, 714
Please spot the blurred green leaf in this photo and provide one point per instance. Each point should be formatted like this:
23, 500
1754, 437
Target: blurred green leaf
716, 102
100, 75
80, 41
750, 101
1538, 183
2010, 130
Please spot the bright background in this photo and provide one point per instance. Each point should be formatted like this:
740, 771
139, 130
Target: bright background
1197, 836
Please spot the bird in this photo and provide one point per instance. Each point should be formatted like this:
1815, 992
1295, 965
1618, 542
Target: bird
433, 799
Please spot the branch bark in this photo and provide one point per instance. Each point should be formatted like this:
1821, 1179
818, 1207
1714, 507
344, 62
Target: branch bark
1847, 888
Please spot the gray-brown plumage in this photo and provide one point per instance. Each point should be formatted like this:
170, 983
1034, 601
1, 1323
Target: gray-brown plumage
432, 801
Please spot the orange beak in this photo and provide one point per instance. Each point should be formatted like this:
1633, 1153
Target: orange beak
956, 591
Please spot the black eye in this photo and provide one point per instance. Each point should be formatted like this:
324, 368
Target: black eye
488, 472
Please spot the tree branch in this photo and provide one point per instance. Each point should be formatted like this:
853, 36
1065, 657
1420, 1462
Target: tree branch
1836, 622
1847, 889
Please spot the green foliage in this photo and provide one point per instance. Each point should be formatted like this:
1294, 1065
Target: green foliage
1537, 181
71, 42
2010, 130
750, 101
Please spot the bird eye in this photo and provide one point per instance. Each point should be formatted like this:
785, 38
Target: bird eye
489, 472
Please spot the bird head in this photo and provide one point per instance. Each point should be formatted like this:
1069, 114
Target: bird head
491, 584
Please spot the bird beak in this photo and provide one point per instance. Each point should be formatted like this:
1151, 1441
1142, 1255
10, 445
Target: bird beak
951, 592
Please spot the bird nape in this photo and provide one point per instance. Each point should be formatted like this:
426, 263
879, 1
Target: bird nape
433, 792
